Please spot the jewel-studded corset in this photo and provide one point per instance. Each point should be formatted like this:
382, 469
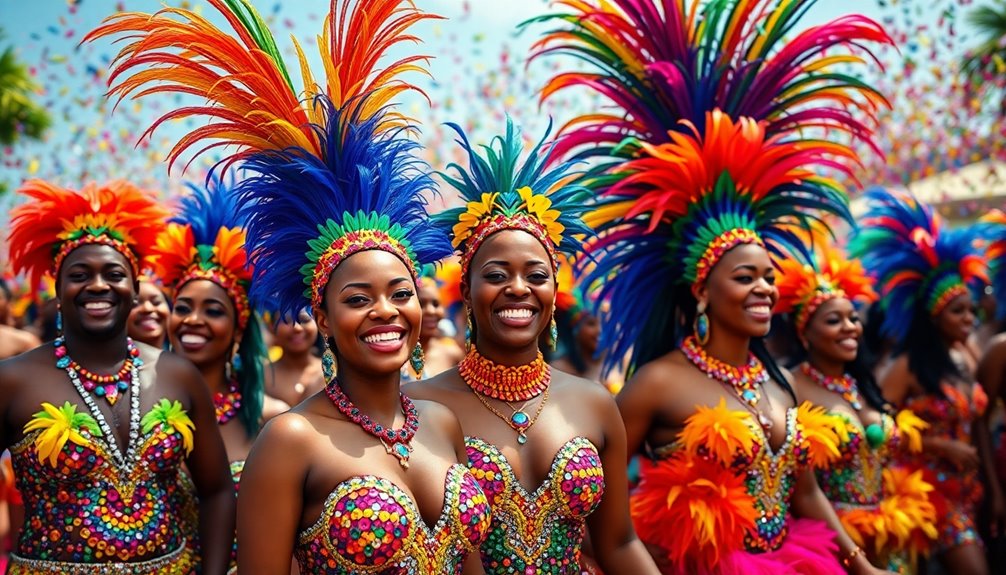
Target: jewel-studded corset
949, 417
370, 525
538, 532
85, 506
856, 478
771, 478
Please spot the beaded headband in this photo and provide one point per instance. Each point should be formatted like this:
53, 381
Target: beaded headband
342, 247
237, 293
722, 244
497, 223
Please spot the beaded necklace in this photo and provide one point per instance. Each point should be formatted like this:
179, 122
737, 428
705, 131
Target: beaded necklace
746, 381
227, 403
124, 461
844, 385
396, 441
487, 378
107, 386
503, 382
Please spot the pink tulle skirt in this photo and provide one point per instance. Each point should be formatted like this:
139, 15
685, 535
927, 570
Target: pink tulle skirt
809, 549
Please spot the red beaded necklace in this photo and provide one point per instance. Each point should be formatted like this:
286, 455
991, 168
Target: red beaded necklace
844, 385
395, 441
227, 403
746, 381
503, 382
107, 386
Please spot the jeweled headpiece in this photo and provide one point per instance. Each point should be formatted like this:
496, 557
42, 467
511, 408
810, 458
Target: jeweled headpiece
716, 139
992, 228
57, 221
503, 193
206, 240
332, 172
804, 287
915, 259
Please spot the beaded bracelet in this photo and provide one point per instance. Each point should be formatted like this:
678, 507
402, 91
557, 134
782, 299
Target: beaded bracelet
847, 560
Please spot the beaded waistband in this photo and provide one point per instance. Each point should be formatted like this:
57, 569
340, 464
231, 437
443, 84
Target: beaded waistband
178, 562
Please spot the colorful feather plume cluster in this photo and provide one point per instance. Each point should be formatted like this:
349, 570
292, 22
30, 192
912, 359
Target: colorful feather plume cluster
916, 260
502, 192
205, 239
803, 287
992, 228
56, 220
331, 169
722, 126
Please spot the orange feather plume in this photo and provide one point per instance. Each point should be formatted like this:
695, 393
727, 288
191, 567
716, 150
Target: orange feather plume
253, 103
116, 211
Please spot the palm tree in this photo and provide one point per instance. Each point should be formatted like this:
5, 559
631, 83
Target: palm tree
985, 66
19, 114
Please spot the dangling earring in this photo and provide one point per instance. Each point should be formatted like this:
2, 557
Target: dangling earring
553, 334
701, 325
468, 330
328, 362
418, 360
59, 320
229, 369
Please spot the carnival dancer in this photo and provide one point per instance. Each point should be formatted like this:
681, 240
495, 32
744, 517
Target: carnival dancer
359, 478
547, 447
202, 257
884, 508
926, 275
99, 425
148, 320
297, 374
707, 158
991, 374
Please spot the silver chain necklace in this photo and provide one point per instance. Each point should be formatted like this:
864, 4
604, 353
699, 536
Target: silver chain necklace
127, 460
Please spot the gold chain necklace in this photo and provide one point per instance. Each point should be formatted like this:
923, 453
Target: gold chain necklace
519, 421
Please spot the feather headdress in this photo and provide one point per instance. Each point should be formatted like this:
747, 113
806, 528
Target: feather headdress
57, 221
993, 231
206, 240
504, 193
916, 260
804, 287
717, 139
332, 172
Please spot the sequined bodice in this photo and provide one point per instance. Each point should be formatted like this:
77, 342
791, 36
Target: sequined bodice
538, 532
370, 525
771, 478
856, 479
949, 416
85, 506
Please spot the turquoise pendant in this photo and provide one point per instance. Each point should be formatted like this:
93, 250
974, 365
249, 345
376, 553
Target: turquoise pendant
520, 422
401, 451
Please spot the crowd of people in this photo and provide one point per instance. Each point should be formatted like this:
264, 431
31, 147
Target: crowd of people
656, 341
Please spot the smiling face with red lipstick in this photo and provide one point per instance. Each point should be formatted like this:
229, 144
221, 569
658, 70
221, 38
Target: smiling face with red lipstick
511, 292
371, 313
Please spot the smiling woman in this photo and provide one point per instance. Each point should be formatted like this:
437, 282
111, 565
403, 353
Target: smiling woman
94, 407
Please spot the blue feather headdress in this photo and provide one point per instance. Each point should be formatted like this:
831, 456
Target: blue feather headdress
206, 240
503, 193
917, 262
332, 172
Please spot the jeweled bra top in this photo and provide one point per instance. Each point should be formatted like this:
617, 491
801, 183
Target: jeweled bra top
370, 525
856, 479
770, 477
84, 505
538, 532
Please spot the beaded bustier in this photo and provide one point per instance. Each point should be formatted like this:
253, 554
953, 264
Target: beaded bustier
370, 525
84, 504
770, 477
856, 479
538, 532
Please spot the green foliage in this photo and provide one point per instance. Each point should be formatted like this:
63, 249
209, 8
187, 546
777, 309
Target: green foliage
20, 116
985, 66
